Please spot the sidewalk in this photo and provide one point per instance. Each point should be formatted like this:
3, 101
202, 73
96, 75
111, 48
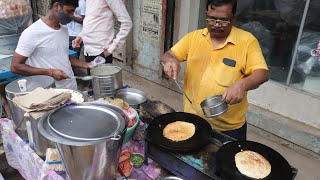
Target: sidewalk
308, 166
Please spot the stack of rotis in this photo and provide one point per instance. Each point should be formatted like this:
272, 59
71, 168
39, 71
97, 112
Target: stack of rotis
41, 100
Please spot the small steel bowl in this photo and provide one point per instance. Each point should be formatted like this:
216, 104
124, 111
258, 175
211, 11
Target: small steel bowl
134, 97
214, 106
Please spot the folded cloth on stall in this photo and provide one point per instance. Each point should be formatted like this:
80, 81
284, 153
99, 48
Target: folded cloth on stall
42, 100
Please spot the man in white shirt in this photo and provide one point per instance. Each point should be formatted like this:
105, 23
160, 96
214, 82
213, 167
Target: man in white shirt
98, 28
75, 26
43, 47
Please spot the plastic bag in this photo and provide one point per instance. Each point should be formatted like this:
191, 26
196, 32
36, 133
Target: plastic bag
263, 35
97, 61
13, 15
308, 55
291, 11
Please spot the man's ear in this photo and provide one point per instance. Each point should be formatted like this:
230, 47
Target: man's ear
234, 19
56, 7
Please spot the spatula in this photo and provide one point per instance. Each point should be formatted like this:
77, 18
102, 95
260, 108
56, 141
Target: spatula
180, 88
84, 78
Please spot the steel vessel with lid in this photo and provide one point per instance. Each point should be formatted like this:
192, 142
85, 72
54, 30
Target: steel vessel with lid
88, 136
13, 90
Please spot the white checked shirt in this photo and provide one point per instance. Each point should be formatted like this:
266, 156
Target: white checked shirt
98, 26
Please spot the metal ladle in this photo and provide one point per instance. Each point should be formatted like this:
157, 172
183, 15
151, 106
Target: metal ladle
84, 78
180, 88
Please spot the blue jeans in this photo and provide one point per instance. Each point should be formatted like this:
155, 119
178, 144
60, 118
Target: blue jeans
239, 134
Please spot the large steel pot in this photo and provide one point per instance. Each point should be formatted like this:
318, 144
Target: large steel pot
13, 90
106, 79
37, 141
86, 159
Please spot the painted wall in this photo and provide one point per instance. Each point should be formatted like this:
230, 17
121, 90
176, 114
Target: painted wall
287, 102
146, 51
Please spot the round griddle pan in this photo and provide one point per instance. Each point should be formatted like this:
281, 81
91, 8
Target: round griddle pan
197, 141
226, 167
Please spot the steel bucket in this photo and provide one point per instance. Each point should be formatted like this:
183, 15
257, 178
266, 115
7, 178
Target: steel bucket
88, 160
94, 162
13, 90
106, 80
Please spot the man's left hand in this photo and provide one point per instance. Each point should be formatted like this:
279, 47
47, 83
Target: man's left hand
235, 93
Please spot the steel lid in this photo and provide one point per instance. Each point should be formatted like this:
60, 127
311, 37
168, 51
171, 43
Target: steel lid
48, 133
86, 122
33, 82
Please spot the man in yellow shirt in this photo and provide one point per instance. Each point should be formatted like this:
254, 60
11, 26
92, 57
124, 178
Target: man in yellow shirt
221, 59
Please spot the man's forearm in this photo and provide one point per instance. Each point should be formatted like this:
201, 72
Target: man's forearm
77, 63
257, 78
26, 70
78, 19
120, 39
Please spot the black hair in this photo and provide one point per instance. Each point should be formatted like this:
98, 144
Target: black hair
74, 3
218, 3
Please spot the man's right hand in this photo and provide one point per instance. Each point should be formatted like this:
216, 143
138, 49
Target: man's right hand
58, 74
171, 65
76, 42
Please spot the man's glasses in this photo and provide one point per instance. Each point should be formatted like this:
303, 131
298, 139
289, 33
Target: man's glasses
213, 22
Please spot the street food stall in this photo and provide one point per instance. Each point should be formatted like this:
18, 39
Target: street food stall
119, 133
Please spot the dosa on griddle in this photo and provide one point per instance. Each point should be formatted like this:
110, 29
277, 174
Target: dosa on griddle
252, 164
179, 131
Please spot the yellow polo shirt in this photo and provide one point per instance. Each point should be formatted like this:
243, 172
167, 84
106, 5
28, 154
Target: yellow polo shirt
207, 74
